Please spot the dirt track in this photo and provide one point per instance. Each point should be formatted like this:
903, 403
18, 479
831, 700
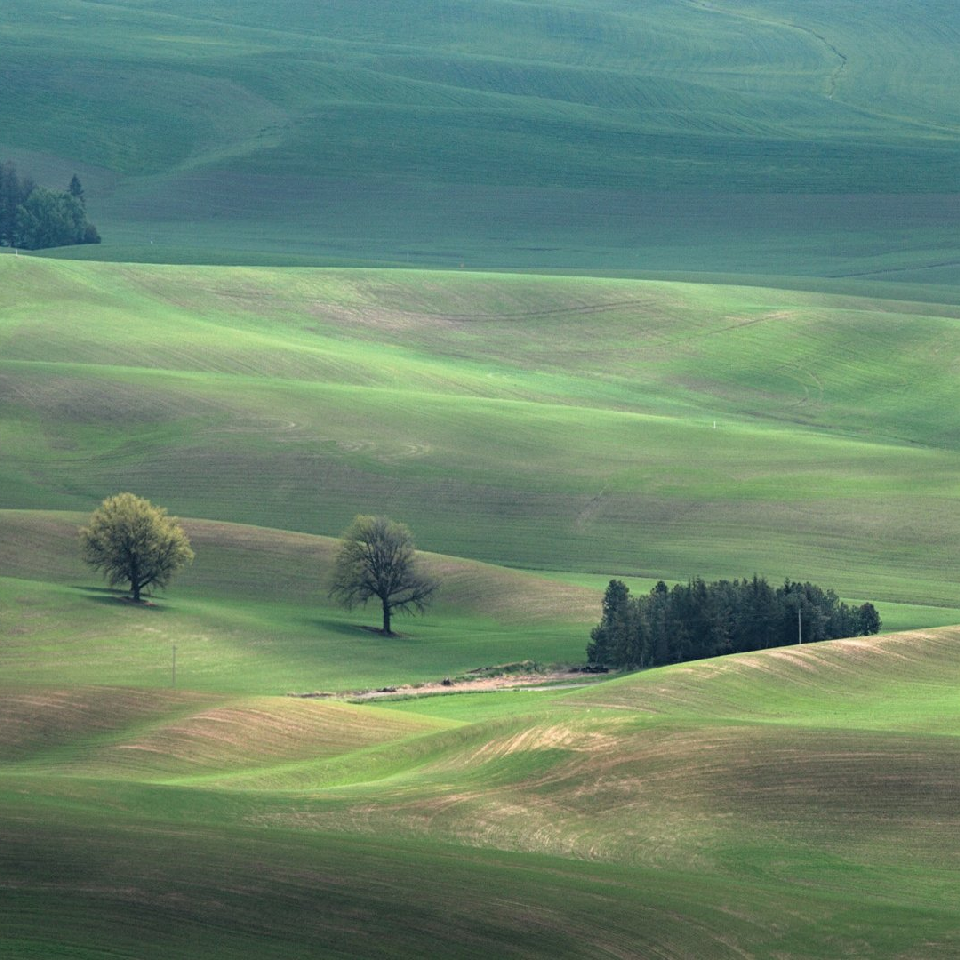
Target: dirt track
481, 684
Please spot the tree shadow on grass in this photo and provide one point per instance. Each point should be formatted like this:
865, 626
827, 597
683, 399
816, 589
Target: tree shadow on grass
360, 631
108, 596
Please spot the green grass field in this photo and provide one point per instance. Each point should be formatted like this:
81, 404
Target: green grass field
594, 426
724, 137
577, 291
540, 435
798, 803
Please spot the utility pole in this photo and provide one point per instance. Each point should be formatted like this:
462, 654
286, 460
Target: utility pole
799, 623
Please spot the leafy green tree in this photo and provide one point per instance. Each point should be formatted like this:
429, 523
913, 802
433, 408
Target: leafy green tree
51, 219
131, 541
35, 218
378, 560
48, 219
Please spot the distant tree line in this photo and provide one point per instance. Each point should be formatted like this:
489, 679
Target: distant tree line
700, 620
34, 218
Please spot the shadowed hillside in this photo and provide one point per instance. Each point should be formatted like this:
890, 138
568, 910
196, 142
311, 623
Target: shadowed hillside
739, 358
758, 139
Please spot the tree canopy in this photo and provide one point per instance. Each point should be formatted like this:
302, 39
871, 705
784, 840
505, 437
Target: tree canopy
378, 559
131, 541
699, 620
35, 218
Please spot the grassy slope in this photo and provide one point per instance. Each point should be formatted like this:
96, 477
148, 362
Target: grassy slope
252, 615
796, 803
727, 137
761, 805
766, 805
575, 418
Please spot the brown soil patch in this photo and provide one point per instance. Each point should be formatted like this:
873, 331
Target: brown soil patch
562, 678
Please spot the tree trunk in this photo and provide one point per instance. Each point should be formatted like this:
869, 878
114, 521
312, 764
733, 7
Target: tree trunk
386, 619
134, 575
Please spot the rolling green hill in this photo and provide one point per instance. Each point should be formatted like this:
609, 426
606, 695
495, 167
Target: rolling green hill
795, 416
252, 615
743, 138
604, 427
795, 803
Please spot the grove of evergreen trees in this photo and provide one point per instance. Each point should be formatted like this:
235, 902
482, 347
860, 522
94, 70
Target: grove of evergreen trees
34, 218
700, 620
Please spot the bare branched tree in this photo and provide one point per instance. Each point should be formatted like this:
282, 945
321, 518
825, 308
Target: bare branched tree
378, 559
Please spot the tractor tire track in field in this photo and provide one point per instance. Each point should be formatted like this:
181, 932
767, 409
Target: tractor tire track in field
836, 75
690, 341
797, 373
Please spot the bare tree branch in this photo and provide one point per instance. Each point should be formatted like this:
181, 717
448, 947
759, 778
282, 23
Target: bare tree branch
378, 559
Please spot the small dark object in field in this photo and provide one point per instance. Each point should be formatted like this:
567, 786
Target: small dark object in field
595, 668
386, 689
447, 682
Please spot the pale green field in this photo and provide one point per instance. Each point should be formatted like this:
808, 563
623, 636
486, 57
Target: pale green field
797, 803
619, 428
252, 615
760, 377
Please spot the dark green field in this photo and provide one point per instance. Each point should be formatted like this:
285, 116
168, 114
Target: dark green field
724, 137
576, 290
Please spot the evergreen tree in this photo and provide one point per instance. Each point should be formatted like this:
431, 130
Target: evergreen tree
868, 620
13, 192
611, 640
697, 620
76, 190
